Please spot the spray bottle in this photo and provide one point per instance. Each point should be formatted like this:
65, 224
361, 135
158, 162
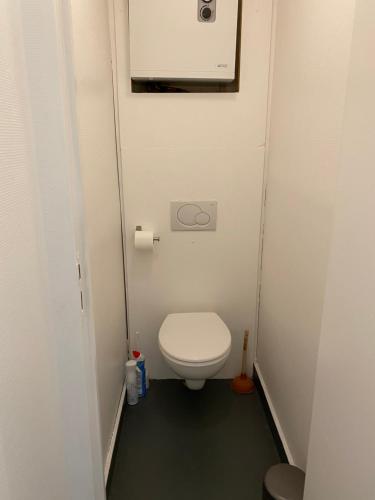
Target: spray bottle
142, 375
131, 382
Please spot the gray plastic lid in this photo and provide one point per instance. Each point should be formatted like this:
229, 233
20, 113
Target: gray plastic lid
285, 482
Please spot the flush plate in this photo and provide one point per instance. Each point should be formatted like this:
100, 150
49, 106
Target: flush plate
193, 215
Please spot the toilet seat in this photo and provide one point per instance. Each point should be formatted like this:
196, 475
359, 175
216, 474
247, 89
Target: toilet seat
194, 337
194, 364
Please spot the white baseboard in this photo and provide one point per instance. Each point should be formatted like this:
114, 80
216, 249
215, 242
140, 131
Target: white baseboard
274, 416
114, 435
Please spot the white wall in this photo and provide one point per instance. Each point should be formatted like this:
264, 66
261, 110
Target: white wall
195, 146
49, 420
312, 43
342, 446
98, 158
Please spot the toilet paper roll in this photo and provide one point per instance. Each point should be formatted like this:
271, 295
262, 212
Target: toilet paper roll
144, 240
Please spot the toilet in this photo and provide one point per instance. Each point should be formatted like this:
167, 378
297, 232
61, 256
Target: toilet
195, 345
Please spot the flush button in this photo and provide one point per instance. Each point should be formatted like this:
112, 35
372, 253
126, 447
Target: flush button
193, 215
202, 219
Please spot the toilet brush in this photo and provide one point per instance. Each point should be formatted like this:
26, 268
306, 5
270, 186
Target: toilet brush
243, 384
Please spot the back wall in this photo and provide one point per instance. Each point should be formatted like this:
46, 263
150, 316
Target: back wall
195, 147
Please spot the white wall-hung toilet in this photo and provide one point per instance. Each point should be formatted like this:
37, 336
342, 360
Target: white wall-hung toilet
195, 345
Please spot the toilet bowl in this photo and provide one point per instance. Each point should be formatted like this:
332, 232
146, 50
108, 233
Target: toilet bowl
195, 345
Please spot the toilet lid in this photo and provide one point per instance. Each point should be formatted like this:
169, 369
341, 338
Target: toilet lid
194, 337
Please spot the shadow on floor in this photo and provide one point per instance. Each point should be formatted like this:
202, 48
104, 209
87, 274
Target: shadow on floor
178, 444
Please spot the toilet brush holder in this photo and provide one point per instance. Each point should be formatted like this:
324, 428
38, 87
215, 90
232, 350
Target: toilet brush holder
243, 384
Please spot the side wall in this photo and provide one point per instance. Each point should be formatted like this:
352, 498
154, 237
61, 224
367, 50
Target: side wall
49, 422
312, 44
344, 406
195, 147
98, 158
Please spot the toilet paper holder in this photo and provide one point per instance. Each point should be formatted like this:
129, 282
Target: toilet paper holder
139, 228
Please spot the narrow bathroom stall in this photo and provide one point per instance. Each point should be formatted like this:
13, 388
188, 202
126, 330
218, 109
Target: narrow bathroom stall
163, 212
181, 150
262, 160
190, 146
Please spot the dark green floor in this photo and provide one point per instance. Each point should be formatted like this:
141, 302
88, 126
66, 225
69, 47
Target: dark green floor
178, 444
